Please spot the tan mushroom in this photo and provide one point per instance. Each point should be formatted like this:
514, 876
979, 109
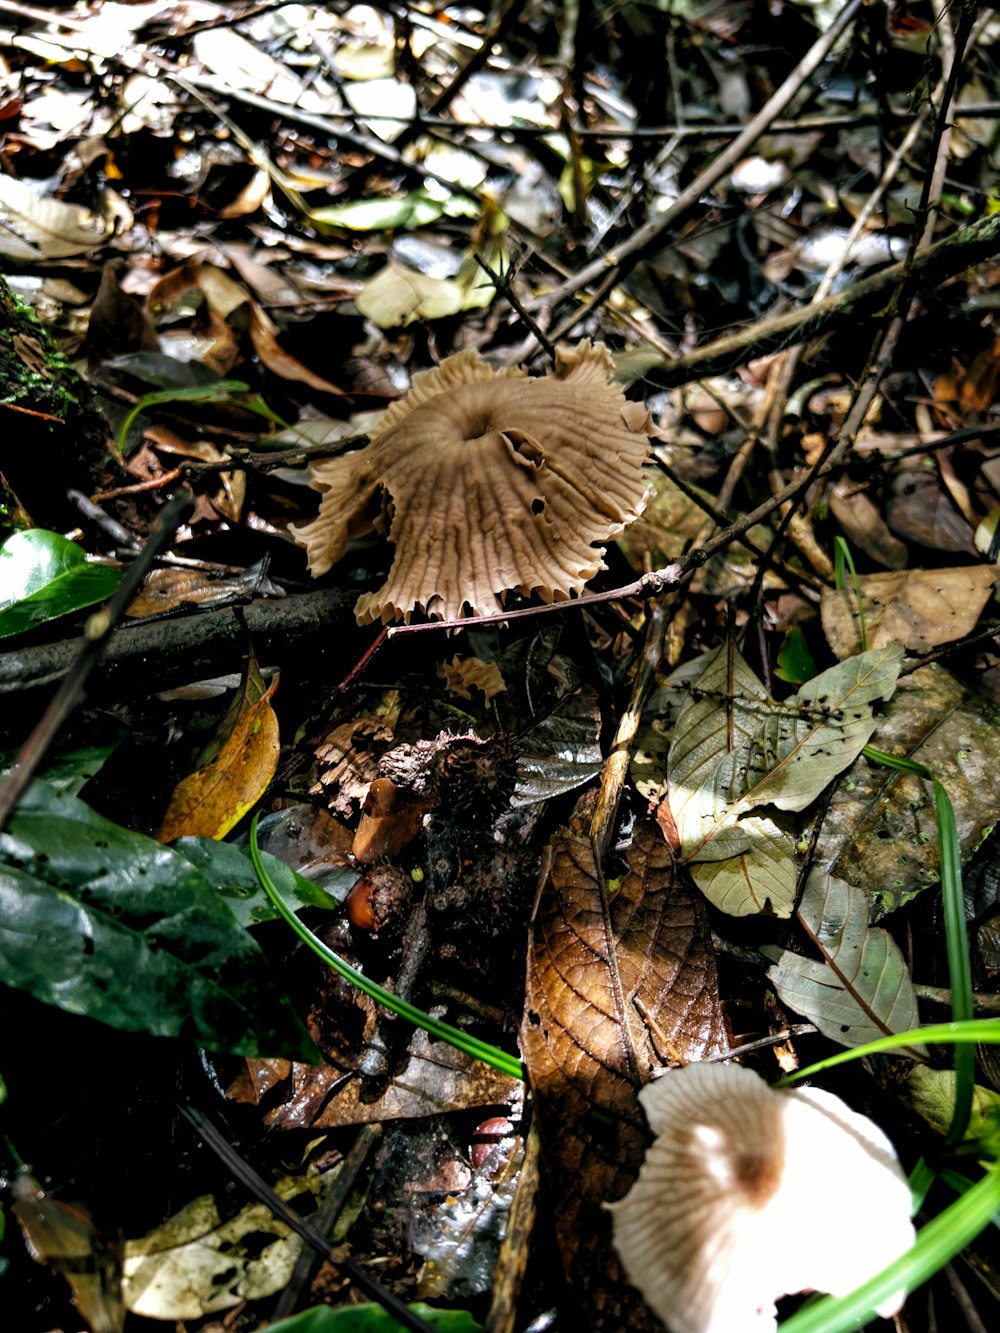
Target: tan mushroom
748, 1194
485, 482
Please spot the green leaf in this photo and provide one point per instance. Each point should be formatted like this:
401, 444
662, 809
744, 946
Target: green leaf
860, 989
106, 922
229, 868
370, 1318
415, 209
42, 576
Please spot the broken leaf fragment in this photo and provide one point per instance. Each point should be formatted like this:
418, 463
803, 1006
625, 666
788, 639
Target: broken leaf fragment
486, 481
748, 1194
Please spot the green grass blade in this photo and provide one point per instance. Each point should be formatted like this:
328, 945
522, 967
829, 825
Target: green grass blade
955, 931
462, 1041
969, 1032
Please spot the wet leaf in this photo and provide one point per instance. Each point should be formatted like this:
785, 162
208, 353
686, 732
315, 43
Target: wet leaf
44, 575
879, 830
213, 799
919, 608
108, 923
861, 989
561, 751
587, 1049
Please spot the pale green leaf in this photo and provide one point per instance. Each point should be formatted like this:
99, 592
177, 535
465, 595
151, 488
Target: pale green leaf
735, 749
860, 989
712, 729
761, 879
822, 730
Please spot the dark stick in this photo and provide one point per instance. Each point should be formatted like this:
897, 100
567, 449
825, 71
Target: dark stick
99, 626
263, 1192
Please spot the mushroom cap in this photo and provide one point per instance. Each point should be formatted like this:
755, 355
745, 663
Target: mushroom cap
748, 1194
487, 481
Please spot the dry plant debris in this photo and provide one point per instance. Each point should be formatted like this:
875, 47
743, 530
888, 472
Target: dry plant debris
486, 482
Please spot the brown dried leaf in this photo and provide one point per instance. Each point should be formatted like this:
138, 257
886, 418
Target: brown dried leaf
587, 1048
487, 481
919, 608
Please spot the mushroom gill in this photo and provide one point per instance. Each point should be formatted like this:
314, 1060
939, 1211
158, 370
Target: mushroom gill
487, 481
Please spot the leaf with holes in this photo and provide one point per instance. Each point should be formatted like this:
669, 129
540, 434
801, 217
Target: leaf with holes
861, 989
734, 749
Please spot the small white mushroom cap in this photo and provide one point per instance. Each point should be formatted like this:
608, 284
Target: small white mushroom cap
748, 1194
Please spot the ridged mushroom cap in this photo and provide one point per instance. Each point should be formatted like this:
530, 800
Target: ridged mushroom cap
748, 1194
486, 481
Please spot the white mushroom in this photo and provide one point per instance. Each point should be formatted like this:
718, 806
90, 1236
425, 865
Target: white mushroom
486, 482
748, 1194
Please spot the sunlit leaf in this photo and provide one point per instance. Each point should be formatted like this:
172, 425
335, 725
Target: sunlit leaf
761, 879
44, 575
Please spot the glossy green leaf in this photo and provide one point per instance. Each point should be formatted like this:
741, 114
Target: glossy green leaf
370, 1318
42, 576
106, 922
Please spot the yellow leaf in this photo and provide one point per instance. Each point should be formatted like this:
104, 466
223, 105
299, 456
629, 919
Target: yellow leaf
213, 799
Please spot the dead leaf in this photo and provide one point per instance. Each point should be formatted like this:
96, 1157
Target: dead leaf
587, 1048
65, 1238
213, 799
919, 608
35, 226
880, 830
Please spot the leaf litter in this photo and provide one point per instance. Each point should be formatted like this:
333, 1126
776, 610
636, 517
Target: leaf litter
277, 221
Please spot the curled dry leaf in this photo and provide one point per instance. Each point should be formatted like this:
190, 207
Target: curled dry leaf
487, 481
462, 675
748, 1194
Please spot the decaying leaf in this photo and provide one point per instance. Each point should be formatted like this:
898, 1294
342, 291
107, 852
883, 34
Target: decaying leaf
735, 750
462, 675
196, 1264
65, 1238
860, 990
919, 608
485, 482
399, 295
213, 799
588, 1046
880, 829
34, 226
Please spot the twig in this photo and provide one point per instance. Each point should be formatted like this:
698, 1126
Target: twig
98, 629
967, 247
263, 1192
626, 255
